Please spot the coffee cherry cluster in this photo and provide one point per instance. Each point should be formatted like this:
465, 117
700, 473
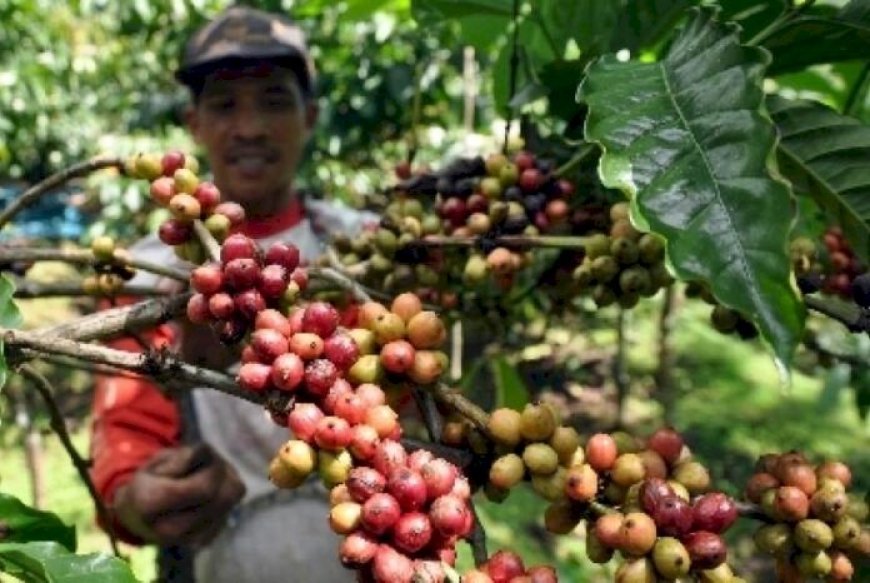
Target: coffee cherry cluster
401, 514
175, 186
507, 567
232, 295
623, 265
843, 265
110, 268
471, 197
814, 529
530, 445
723, 319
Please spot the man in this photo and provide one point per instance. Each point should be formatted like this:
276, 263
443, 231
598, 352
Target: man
189, 474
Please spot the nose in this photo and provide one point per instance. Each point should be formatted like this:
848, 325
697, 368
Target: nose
249, 123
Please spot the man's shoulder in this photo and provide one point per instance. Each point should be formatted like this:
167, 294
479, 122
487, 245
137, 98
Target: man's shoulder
329, 216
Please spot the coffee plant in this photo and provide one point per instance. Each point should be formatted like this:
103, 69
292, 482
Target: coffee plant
664, 157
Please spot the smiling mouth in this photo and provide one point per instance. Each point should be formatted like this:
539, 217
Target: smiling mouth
250, 164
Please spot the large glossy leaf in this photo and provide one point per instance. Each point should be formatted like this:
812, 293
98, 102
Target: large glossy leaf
821, 38
49, 562
825, 154
689, 141
23, 524
10, 317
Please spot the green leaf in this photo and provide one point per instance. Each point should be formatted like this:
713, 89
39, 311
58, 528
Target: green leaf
49, 562
825, 154
819, 38
25, 524
10, 317
509, 386
461, 8
689, 141
643, 23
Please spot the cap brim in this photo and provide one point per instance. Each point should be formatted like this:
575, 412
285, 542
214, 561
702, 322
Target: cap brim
196, 71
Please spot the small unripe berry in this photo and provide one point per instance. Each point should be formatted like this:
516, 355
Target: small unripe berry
504, 426
334, 467
507, 471
537, 423
540, 458
671, 558
299, 457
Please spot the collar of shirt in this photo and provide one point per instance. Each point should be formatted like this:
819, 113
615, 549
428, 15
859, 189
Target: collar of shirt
264, 227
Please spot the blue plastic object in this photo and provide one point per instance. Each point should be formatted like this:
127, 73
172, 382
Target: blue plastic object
51, 217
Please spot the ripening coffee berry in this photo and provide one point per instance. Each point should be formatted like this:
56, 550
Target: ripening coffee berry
406, 306
254, 376
389, 456
667, 443
174, 232
582, 483
706, 549
637, 535
693, 476
601, 452
449, 515
408, 488
673, 516
367, 369
334, 467
507, 471
383, 419
332, 433
273, 281
197, 309
273, 319
320, 318
398, 356
364, 482
671, 558
812, 535
504, 426
390, 566
540, 458
412, 532
363, 442
249, 303
303, 420
596, 551
537, 422
238, 246
758, 484
232, 211
628, 469
790, 504
379, 513
341, 350
504, 566
607, 529
162, 190
426, 330
439, 476
427, 367
268, 344
357, 549
320, 374
185, 207
219, 226
307, 346
566, 442
639, 570
299, 457
288, 370
800, 475
714, 512
287, 256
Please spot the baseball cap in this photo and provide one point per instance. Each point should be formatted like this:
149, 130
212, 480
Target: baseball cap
242, 34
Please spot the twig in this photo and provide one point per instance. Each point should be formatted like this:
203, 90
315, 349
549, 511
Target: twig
79, 365
86, 257
27, 289
855, 318
59, 426
510, 241
162, 365
212, 247
109, 323
478, 539
33, 193
342, 281
429, 411
752, 511
456, 401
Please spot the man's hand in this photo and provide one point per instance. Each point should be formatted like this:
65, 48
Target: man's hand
181, 496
